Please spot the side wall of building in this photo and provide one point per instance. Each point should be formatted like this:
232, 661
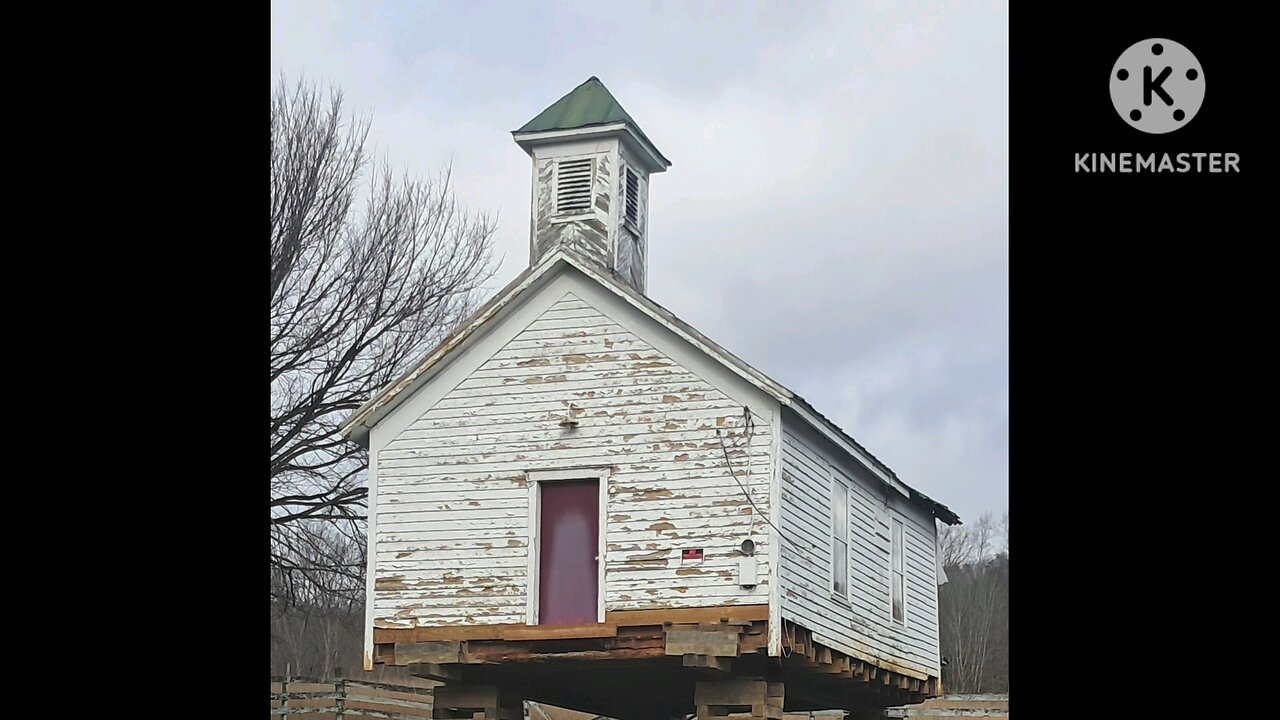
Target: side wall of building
858, 622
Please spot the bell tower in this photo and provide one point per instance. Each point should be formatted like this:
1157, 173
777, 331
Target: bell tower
591, 170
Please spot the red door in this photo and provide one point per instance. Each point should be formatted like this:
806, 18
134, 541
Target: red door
568, 583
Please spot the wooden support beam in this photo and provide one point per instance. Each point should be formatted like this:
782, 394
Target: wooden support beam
736, 691
524, 654
774, 694
434, 671
835, 669
707, 661
822, 695
718, 643
739, 625
560, 632
473, 702
728, 613
718, 698
839, 669
426, 652
754, 639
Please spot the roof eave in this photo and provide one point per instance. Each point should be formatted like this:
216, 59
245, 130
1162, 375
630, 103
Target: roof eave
805, 411
358, 434
654, 159
842, 440
358, 424
689, 333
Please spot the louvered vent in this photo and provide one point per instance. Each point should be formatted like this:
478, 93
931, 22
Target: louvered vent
573, 185
633, 199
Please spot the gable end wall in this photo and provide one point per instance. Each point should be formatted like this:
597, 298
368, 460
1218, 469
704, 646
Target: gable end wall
450, 529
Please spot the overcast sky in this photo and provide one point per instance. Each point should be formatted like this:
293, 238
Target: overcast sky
837, 209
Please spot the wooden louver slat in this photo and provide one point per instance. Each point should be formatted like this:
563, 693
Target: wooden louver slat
633, 198
573, 185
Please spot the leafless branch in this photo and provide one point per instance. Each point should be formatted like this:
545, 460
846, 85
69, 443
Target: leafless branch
369, 269
974, 606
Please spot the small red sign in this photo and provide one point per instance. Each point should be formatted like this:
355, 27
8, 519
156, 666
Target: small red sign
691, 554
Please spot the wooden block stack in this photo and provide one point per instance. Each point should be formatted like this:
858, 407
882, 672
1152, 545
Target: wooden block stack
708, 645
475, 702
738, 699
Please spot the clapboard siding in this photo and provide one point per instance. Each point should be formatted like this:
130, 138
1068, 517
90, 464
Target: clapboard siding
630, 243
452, 505
859, 623
588, 232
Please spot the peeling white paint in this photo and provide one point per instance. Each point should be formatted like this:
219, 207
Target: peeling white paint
452, 542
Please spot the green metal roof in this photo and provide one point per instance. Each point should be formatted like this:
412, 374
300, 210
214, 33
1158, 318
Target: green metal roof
589, 104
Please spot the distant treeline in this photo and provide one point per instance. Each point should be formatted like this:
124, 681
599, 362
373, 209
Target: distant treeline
974, 606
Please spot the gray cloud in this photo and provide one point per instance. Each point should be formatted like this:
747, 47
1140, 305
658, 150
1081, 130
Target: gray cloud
837, 214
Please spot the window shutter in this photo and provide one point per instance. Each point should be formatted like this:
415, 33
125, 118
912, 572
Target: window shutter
632, 199
573, 185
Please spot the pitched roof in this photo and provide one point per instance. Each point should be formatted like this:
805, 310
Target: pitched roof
588, 105
357, 424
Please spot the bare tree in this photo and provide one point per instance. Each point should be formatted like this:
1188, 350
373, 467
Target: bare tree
963, 544
955, 545
363, 280
974, 607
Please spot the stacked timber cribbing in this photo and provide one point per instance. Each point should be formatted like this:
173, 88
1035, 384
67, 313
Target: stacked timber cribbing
947, 706
320, 699
954, 706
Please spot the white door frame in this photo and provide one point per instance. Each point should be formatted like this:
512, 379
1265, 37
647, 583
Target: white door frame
535, 480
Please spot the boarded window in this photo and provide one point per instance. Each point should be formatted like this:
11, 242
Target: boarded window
839, 538
632, 199
573, 185
897, 578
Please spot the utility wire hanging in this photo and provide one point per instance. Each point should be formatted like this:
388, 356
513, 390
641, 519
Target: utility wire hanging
748, 431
